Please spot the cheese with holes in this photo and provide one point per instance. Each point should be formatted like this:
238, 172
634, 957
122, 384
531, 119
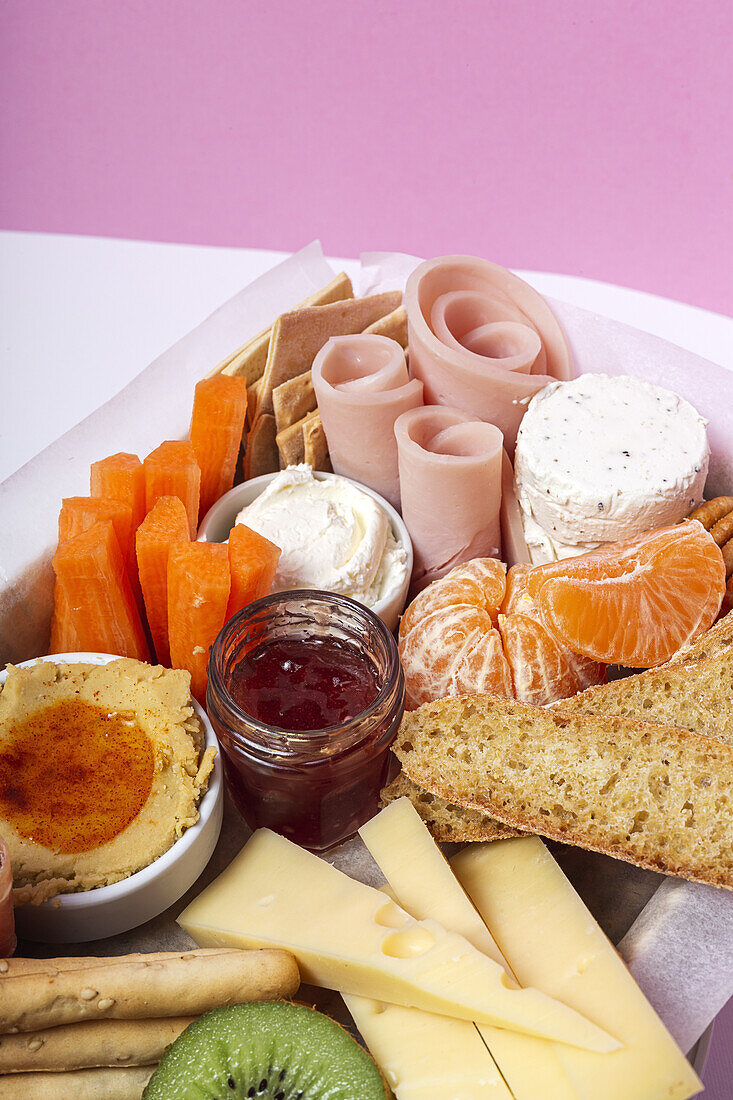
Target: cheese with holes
349, 937
424, 884
551, 941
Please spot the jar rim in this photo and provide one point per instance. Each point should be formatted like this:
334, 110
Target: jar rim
336, 736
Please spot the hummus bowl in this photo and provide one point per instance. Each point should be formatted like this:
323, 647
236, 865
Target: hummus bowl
221, 517
120, 906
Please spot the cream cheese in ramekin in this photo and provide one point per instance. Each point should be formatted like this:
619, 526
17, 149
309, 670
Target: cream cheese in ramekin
332, 536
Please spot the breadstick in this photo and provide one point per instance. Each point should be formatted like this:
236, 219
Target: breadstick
723, 529
93, 1043
189, 984
83, 1084
17, 965
712, 510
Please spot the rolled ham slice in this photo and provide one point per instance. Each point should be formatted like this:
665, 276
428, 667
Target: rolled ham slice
450, 467
362, 386
482, 340
7, 919
514, 547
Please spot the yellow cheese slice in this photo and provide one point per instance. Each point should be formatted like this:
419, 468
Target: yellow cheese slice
552, 942
427, 1057
425, 886
349, 937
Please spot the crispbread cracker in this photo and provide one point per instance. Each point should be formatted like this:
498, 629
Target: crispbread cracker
314, 443
291, 445
252, 392
393, 325
293, 400
261, 456
249, 361
708, 644
447, 822
298, 336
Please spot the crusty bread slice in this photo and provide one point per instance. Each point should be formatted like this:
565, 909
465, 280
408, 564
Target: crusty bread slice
447, 822
713, 641
652, 795
697, 696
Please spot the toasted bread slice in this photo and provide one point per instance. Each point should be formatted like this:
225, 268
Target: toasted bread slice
447, 822
697, 696
653, 795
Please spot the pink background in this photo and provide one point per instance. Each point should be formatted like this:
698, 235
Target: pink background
591, 137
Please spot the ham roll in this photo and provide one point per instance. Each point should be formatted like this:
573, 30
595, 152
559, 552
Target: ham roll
482, 340
7, 920
450, 468
362, 386
514, 547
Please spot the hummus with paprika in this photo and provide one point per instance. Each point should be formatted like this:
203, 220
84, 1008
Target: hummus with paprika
102, 768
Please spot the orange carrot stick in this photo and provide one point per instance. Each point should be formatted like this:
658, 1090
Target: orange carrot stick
252, 563
198, 592
91, 570
219, 409
64, 638
171, 470
165, 524
80, 513
122, 477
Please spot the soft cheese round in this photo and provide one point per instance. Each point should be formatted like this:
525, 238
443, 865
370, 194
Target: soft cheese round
600, 459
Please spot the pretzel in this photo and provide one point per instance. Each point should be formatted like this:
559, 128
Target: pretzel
710, 511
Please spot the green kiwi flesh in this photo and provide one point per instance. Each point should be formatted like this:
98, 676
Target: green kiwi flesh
266, 1050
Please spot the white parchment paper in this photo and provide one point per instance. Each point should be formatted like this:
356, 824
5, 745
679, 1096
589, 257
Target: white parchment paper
679, 943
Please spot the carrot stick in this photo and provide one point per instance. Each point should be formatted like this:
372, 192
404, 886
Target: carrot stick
171, 470
64, 638
91, 570
252, 563
219, 409
198, 592
122, 477
80, 513
165, 524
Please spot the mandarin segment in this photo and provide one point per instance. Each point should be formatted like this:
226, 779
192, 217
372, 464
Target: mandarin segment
634, 603
449, 643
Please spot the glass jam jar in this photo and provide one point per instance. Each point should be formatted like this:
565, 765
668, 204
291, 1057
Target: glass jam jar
284, 661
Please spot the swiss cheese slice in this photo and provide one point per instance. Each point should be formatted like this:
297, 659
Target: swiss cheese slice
551, 941
425, 886
349, 937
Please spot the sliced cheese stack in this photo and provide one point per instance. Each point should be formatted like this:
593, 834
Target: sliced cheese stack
362, 386
450, 470
603, 459
482, 340
524, 913
348, 936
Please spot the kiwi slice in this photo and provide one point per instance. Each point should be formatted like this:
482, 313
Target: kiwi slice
266, 1050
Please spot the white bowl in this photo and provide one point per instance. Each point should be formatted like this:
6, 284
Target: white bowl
109, 910
220, 518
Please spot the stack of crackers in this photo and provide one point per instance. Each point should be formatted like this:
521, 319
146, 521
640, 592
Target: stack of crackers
283, 423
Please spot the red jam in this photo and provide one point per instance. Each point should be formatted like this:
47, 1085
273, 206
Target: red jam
304, 683
306, 693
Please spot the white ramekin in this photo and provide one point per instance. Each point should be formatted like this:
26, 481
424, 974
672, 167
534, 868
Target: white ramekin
220, 518
109, 910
